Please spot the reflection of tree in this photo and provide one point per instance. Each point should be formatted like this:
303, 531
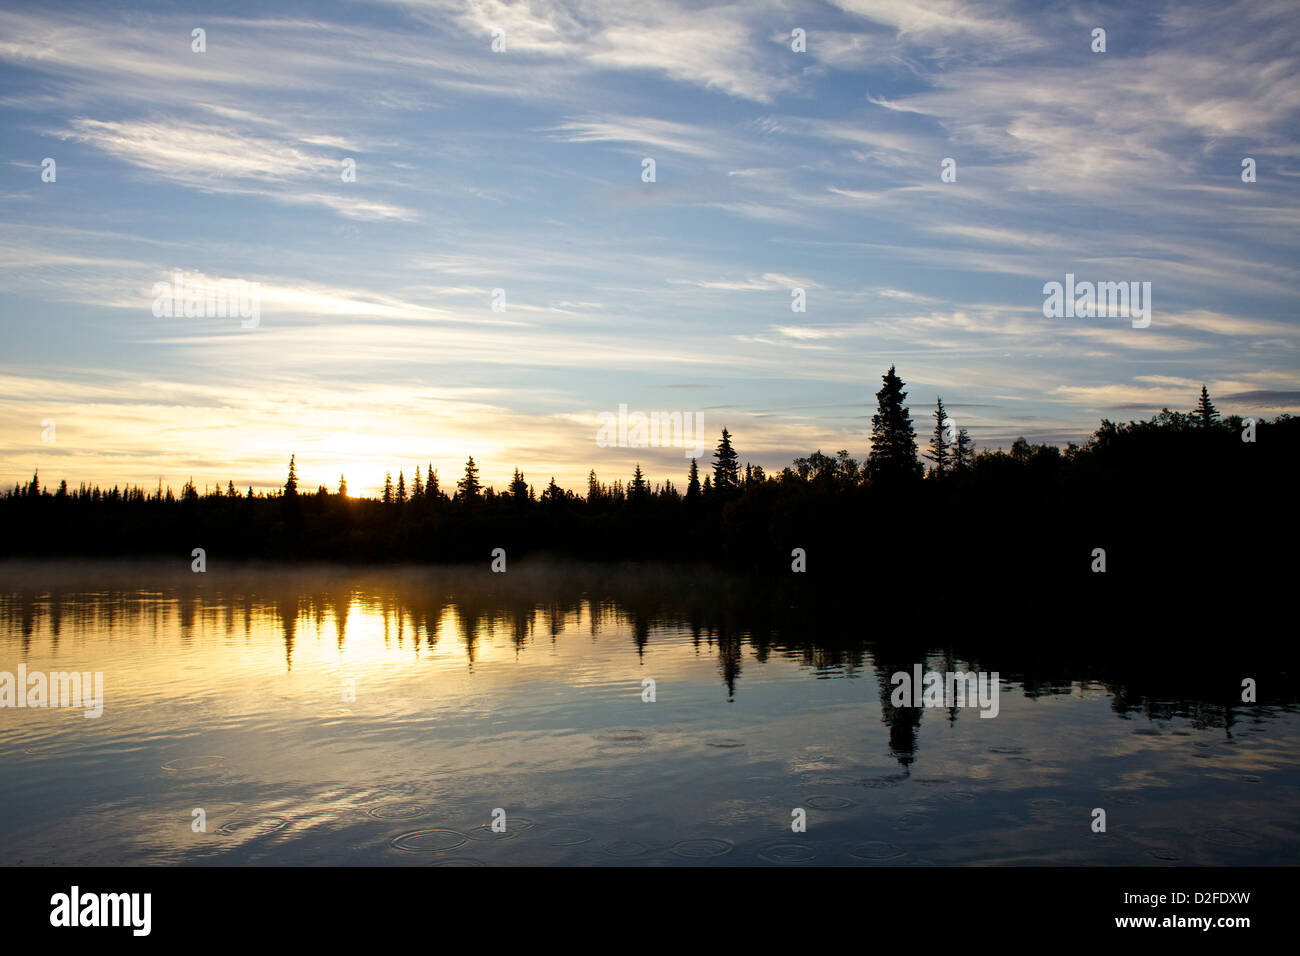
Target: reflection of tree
188, 609
340, 605
640, 632
1197, 680
729, 649
285, 608
469, 619
903, 722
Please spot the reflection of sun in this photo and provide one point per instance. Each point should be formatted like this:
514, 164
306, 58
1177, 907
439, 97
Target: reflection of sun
371, 635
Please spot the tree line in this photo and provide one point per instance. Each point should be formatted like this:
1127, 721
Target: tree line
1035, 507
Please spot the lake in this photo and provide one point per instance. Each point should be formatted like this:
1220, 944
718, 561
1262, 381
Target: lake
618, 715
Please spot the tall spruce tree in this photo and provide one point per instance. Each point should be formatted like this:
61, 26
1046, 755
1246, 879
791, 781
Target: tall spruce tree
893, 441
693, 483
468, 488
291, 485
726, 466
1205, 414
940, 448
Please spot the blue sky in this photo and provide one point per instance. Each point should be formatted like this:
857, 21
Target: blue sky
521, 170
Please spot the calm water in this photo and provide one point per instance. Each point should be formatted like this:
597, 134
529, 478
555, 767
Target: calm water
231, 692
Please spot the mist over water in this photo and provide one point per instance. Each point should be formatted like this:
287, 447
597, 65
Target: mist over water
332, 715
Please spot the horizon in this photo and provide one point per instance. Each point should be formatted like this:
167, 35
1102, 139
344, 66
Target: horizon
448, 478
498, 272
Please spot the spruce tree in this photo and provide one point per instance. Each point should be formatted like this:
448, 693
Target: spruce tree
1205, 413
693, 483
401, 487
893, 441
726, 466
963, 455
519, 487
291, 486
388, 488
940, 448
467, 489
640, 489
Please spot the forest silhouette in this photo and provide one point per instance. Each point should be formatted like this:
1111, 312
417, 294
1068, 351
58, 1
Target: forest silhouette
1188, 498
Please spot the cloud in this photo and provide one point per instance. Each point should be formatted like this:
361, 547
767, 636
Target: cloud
1265, 398
714, 47
644, 132
945, 25
224, 159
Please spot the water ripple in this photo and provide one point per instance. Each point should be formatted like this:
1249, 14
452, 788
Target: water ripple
428, 841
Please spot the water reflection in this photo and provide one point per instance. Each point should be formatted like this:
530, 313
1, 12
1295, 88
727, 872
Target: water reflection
471, 691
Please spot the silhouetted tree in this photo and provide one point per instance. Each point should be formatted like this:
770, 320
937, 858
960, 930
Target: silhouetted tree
940, 447
388, 488
519, 487
963, 452
343, 487
1206, 414
693, 482
640, 489
893, 441
468, 488
291, 486
401, 487
726, 466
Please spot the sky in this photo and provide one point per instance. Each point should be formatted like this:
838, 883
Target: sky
502, 270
